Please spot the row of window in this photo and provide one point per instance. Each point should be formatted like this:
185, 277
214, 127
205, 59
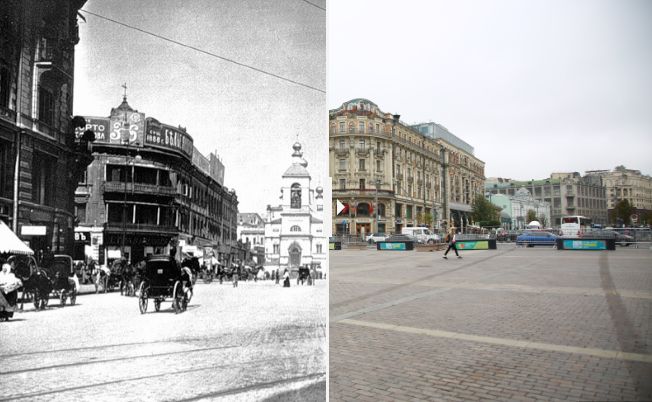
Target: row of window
202, 196
370, 128
276, 249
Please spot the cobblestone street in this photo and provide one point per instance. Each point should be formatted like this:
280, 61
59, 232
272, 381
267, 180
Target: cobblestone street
258, 341
508, 324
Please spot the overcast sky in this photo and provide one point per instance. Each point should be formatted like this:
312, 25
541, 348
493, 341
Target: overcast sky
534, 86
249, 118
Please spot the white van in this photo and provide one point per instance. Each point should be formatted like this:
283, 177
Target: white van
421, 235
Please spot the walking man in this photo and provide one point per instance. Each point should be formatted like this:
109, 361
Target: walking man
451, 238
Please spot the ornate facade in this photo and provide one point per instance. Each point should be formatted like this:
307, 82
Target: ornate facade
149, 189
40, 159
294, 230
391, 175
627, 184
567, 194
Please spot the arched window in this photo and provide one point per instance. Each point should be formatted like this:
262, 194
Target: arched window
295, 228
295, 196
362, 209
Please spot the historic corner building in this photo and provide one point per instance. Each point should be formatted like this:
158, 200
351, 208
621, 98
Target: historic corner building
566, 193
40, 159
391, 175
150, 189
294, 230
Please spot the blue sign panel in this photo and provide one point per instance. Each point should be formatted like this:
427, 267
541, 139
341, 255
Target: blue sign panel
577, 244
391, 246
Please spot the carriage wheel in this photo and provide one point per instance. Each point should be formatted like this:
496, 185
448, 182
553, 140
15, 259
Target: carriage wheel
142, 300
157, 304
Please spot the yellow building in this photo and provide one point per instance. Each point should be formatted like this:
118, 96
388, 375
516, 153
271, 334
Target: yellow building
391, 175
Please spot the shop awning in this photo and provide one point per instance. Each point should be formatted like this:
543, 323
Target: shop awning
10, 243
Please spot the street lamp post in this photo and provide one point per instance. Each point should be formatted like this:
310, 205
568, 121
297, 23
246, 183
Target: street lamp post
124, 200
377, 207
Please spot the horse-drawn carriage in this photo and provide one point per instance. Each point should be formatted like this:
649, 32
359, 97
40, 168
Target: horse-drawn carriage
304, 275
162, 278
58, 280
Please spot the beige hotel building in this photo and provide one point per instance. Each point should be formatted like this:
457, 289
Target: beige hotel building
390, 175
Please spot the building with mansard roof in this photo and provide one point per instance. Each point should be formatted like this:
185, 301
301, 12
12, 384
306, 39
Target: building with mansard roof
390, 174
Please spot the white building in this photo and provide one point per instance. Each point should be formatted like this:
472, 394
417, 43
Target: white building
294, 230
515, 208
251, 232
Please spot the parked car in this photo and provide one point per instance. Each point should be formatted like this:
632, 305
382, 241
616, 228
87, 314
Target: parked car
533, 238
422, 235
621, 239
401, 237
375, 237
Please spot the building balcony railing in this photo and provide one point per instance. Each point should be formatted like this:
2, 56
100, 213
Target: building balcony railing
140, 227
120, 187
7, 114
341, 152
362, 151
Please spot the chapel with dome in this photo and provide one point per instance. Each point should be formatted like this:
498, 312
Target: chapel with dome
294, 229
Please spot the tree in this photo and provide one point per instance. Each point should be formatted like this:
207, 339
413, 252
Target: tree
485, 213
531, 215
623, 210
543, 221
427, 218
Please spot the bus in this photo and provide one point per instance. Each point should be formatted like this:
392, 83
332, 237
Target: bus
575, 225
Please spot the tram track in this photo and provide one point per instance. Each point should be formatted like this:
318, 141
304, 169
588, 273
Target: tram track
175, 373
162, 341
283, 338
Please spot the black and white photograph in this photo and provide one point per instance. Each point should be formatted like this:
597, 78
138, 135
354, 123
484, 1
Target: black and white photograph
164, 200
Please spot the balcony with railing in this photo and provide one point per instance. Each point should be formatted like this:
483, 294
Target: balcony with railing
137, 188
7, 114
140, 227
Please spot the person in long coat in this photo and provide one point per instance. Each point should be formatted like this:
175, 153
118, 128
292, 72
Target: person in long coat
286, 279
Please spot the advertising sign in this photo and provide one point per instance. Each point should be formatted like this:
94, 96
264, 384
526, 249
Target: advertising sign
99, 125
83, 237
585, 244
217, 169
391, 246
162, 135
33, 231
201, 161
127, 125
473, 245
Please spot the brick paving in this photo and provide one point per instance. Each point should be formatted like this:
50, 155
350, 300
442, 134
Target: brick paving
509, 324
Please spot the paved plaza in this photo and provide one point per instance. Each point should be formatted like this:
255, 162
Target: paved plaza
255, 342
509, 324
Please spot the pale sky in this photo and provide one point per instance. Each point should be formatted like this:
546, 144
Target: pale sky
249, 118
534, 86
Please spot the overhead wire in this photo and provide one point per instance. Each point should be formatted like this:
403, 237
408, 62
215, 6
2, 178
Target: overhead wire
315, 5
205, 51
